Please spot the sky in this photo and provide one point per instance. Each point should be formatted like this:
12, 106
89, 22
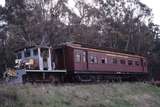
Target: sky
2, 2
153, 4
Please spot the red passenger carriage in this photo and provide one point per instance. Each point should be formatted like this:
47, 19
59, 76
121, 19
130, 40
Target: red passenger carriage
88, 64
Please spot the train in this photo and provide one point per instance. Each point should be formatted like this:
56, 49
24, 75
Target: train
75, 62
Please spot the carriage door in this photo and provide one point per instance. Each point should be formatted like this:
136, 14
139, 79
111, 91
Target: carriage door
142, 64
84, 60
59, 59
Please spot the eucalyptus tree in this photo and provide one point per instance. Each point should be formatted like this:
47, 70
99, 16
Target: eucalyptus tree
125, 24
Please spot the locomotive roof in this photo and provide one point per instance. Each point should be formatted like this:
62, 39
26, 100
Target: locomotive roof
30, 47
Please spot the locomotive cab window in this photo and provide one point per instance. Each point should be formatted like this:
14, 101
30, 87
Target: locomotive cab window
44, 52
78, 57
130, 62
27, 53
19, 55
35, 52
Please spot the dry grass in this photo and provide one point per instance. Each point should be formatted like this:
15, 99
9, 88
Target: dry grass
98, 95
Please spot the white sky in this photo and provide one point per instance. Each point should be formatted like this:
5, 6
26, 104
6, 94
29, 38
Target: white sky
153, 4
2, 2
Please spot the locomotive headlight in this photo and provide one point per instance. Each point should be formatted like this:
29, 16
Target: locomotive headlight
30, 62
18, 63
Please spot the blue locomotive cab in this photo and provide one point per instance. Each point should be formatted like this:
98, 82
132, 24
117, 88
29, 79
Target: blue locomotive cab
34, 58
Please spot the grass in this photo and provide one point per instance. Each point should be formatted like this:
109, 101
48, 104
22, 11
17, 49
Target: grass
95, 95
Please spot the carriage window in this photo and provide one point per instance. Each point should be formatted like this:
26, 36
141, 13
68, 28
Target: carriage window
104, 60
122, 61
136, 63
78, 58
84, 57
27, 53
19, 55
130, 62
35, 52
115, 61
93, 59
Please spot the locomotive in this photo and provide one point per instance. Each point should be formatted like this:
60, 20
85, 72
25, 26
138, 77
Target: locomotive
77, 62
